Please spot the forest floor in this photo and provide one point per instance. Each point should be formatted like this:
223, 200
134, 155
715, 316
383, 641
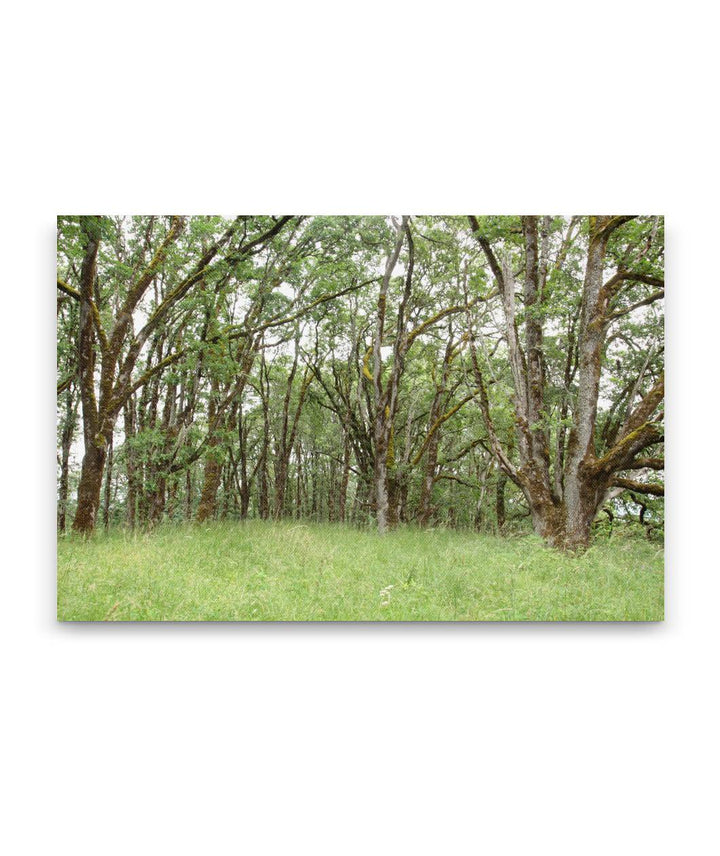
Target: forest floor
263, 571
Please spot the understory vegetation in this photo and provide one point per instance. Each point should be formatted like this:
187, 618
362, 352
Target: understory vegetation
290, 571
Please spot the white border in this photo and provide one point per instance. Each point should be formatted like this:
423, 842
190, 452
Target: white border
322, 739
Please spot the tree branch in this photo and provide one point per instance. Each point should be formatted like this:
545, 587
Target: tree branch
647, 464
657, 295
640, 487
68, 289
438, 422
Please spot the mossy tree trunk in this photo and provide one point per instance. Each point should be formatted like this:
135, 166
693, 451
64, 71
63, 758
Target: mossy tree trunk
108, 484
130, 463
213, 467
245, 477
384, 396
91, 475
66, 439
564, 506
345, 479
500, 501
95, 438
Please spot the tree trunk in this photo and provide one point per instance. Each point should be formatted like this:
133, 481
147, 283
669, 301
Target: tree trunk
130, 463
263, 490
188, 494
500, 500
211, 483
299, 487
90, 486
384, 398
243, 464
172, 495
263, 477
288, 432
68, 432
158, 500
342, 493
108, 486
95, 439
381, 486
314, 485
425, 509
213, 466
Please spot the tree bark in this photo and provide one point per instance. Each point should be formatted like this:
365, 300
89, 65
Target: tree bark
96, 435
213, 468
245, 482
385, 398
345, 478
91, 475
66, 438
500, 500
130, 463
288, 431
108, 485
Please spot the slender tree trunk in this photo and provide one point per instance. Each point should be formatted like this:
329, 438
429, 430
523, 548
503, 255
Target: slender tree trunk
381, 486
314, 485
483, 474
345, 479
263, 484
286, 439
425, 507
299, 489
243, 464
263, 477
130, 462
500, 500
188, 494
68, 431
108, 486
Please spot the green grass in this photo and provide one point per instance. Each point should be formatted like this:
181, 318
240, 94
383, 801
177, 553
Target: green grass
261, 571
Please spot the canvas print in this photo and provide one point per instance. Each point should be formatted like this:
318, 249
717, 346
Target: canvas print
360, 418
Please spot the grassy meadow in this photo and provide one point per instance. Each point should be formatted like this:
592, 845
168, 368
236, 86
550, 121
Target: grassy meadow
263, 571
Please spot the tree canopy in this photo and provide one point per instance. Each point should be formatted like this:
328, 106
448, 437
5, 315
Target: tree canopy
474, 371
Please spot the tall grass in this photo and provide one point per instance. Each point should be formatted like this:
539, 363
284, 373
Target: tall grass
262, 571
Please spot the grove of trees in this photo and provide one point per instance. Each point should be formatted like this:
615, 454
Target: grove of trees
470, 371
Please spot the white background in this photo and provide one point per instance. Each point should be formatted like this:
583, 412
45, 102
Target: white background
566, 739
